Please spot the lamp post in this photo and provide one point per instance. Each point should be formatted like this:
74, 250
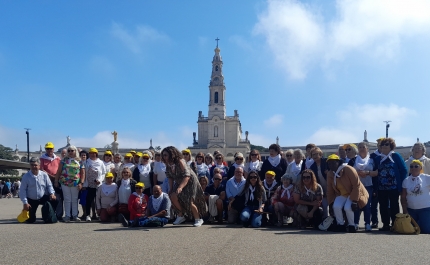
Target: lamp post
386, 128
28, 143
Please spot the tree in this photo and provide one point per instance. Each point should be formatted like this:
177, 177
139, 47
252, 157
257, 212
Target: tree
7, 153
259, 148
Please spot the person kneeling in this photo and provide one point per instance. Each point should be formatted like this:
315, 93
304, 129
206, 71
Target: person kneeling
255, 196
157, 211
344, 192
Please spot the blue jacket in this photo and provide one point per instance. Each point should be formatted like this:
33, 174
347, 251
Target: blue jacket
400, 170
314, 168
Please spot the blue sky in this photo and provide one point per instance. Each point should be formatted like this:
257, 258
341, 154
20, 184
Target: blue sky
306, 71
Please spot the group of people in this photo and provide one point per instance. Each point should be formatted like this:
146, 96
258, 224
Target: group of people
9, 189
301, 189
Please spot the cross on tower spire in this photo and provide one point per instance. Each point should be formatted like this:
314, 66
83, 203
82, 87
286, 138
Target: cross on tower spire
217, 39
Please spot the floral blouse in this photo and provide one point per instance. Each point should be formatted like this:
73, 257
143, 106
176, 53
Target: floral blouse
70, 174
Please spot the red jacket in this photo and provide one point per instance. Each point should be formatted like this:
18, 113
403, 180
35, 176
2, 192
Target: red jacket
137, 205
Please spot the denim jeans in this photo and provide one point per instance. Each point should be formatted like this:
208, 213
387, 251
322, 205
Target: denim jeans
366, 209
248, 215
422, 217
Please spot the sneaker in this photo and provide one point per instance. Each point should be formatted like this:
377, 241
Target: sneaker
179, 220
77, 219
198, 222
352, 229
368, 228
123, 220
356, 227
88, 218
375, 225
66, 219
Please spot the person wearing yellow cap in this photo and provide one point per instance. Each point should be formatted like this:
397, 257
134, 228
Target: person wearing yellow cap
138, 202
270, 185
415, 197
186, 153
185, 191
95, 172
128, 162
107, 199
344, 192
136, 157
108, 161
49, 163
143, 173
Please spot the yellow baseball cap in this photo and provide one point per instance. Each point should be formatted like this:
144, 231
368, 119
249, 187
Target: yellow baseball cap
139, 154
128, 155
108, 152
109, 175
346, 145
271, 173
145, 155
416, 161
132, 152
186, 151
333, 157
93, 150
380, 139
140, 184
23, 216
49, 145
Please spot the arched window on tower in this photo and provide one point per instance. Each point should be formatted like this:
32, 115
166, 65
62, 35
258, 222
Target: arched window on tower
216, 97
216, 68
216, 131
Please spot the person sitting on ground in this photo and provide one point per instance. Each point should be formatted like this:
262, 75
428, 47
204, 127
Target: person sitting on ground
107, 199
255, 198
270, 185
137, 202
416, 196
233, 188
157, 211
308, 196
345, 192
36, 189
283, 200
217, 198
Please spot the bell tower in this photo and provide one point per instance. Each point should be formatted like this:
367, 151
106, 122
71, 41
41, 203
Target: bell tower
217, 87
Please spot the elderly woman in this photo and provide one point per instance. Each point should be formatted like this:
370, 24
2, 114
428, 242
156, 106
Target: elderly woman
391, 173
201, 168
289, 156
185, 191
219, 163
107, 199
126, 186
419, 153
209, 160
308, 196
344, 192
239, 161
274, 163
143, 173
295, 167
137, 202
255, 197
128, 162
70, 175
107, 160
254, 163
351, 151
283, 199
364, 165
95, 172
416, 196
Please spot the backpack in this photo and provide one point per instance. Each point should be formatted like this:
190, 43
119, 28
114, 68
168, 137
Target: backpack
48, 213
405, 224
328, 224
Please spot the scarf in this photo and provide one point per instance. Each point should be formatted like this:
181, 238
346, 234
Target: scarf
236, 165
129, 165
254, 165
308, 191
138, 196
420, 159
96, 165
220, 166
384, 157
156, 202
45, 156
144, 169
108, 189
309, 162
336, 174
361, 163
271, 187
274, 161
108, 165
415, 184
377, 152
297, 168
125, 182
251, 195
287, 190
202, 168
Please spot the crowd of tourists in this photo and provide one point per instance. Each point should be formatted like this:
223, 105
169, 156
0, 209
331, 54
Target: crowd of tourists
295, 188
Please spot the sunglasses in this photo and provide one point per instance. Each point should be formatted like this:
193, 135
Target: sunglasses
253, 154
414, 166
218, 158
199, 157
165, 155
306, 177
138, 188
145, 158
239, 159
217, 179
70, 151
185, 154
385, 144
349, 149
253, 177
108, 155
49, 148
289, 155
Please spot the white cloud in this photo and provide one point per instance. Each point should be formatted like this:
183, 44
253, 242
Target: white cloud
351, 122
136, 40
300, 37
274, 121
102, 65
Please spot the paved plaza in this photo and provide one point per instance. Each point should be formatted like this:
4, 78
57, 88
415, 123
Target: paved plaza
96, 243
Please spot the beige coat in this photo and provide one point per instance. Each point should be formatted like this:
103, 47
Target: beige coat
351, 182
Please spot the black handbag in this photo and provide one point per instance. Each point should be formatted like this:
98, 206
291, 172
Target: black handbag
239, 202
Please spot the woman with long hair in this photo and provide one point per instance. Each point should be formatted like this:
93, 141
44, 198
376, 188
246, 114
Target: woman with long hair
185, 191
254, 162
255, 197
